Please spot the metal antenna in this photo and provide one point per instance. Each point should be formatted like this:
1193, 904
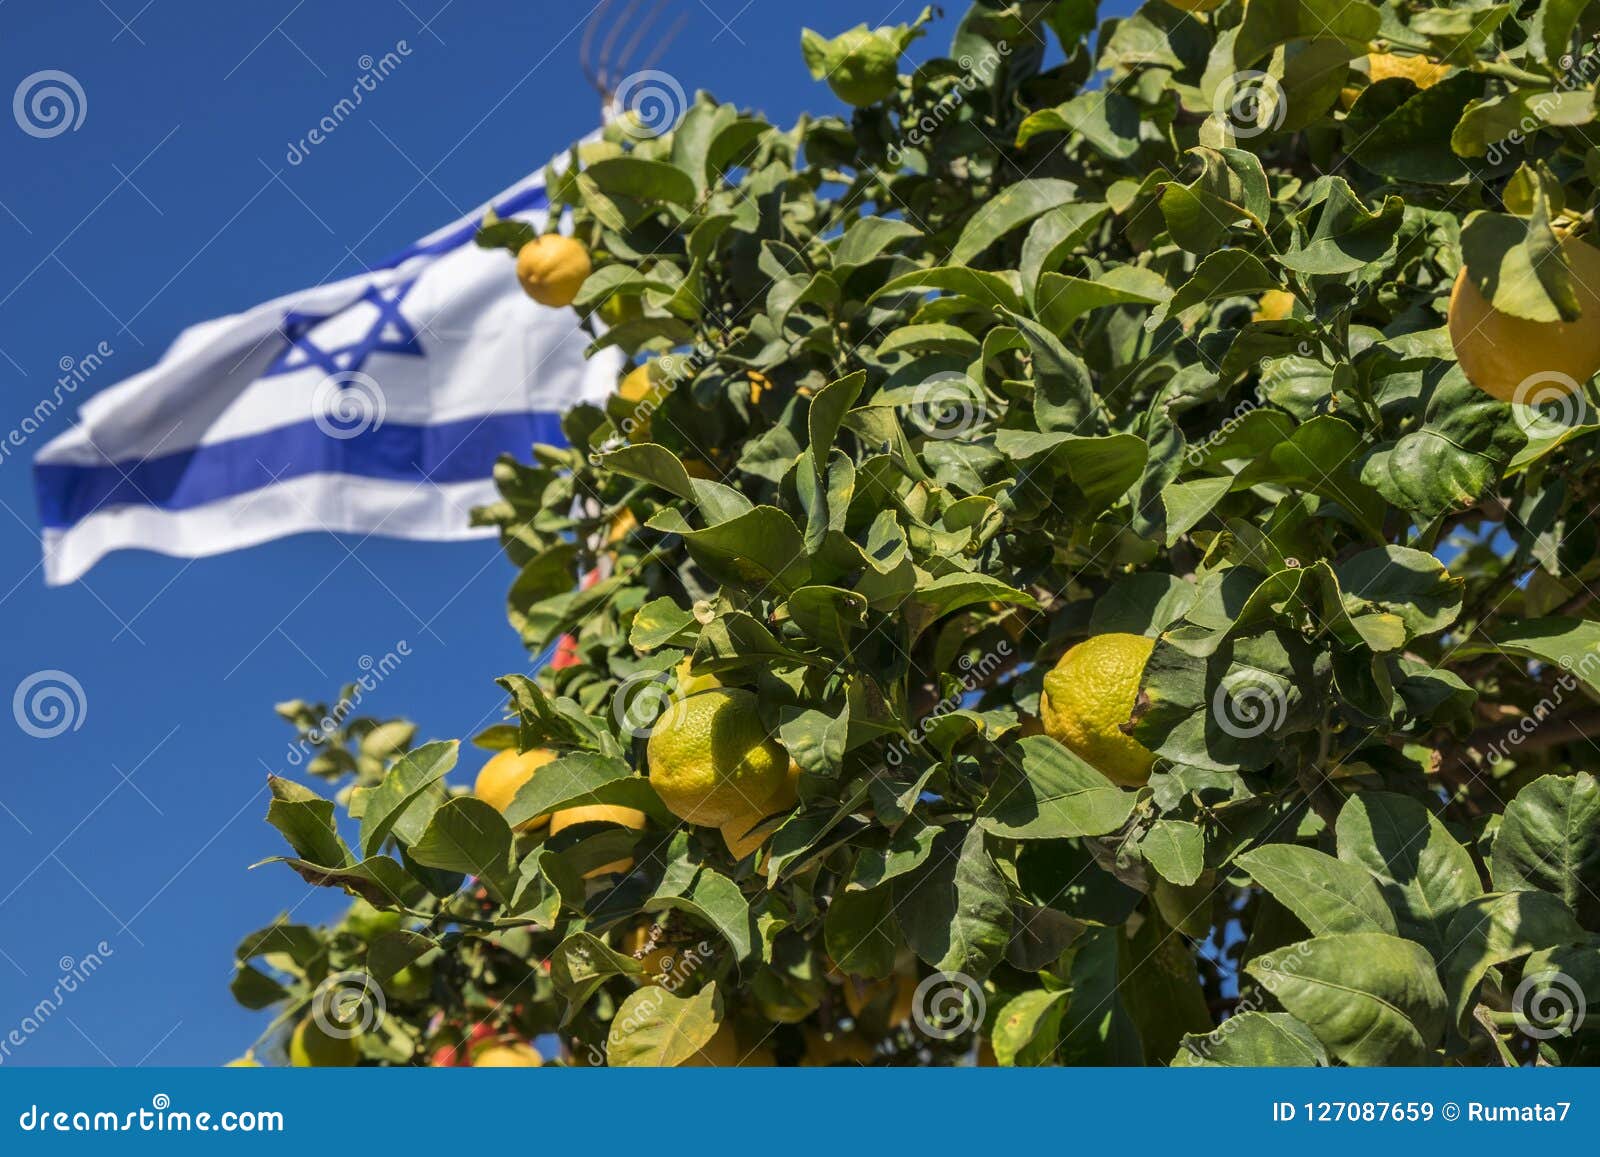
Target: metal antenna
603, 66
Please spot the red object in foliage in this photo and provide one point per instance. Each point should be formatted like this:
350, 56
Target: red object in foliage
566, 653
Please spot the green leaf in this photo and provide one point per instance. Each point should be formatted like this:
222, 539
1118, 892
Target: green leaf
467, 835
1027, 1027
643, 180
389, 805
719, 902
1226, 273
1052, 795
1569, 643
760, 549
581, 963
867, 238
1493, 929
1250, 1040
1328, 896
1399, 585
1453, 458
1269, 23
1412, 142
954, 911
1176, 849
999, 290
584, 778
308, 824
1014, 207
1321, 457
655, 1029
1550, 840
1424, 874
857, 932
1108, 120
1371, 998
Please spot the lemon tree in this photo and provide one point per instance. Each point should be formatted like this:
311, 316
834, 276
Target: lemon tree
1091, 561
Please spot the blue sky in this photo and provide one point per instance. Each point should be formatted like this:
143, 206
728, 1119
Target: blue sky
174, 202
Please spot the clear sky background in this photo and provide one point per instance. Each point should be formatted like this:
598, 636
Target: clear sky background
174, 202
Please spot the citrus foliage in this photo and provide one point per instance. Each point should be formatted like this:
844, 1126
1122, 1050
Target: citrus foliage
1151, 340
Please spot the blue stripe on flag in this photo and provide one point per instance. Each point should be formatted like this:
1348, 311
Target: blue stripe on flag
462, 451
523, 202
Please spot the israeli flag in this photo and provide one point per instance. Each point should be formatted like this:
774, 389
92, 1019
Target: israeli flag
373, 405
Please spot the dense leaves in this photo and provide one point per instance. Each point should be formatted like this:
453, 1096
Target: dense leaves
1133, 329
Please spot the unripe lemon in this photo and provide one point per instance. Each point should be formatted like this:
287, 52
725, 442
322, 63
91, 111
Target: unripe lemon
599, 813
512, 1055
711, 758
1090, 695
311, 1048
744, 834
369, 923
868, 68
1499, 352
506, 772
1419, 70
552, 269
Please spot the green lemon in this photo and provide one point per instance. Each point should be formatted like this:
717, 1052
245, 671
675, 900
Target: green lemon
312, 1048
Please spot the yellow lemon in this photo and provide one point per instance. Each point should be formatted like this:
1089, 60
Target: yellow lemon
512, 1055
1273, 305
552, 269
1500, 353
724, 1051
712, 759
1090, 695
744, 834
599, 813
759, 384
506, 772
690, 684
312, 1048
243, 1063
1421, 71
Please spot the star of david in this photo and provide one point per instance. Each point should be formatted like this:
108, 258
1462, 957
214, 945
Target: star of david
390, 333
